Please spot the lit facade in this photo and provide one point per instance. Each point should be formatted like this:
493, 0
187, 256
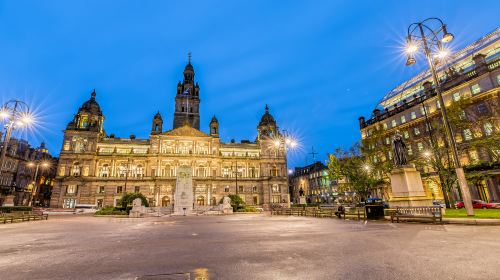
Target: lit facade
314, 181
472, 77
97, 168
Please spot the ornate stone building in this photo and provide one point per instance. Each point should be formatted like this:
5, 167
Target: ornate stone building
470, 81
96, 168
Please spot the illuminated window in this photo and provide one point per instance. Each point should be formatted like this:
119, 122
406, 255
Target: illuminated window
403, 119
71, 189
424, 110
384, 125
410, 152
387, 141
104, 171
475, 89
413, 115
420, 146
406, 134
100, 189
467, 134
473, 156
275, 188
488, 129
461, 115
393, 123
438, 104
416, 130
456, 96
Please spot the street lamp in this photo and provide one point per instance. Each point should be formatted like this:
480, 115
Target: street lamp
15, 114
420, 34
44, 164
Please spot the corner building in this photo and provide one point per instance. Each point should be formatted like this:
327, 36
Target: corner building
97, 168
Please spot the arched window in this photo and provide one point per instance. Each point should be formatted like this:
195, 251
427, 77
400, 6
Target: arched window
200, 200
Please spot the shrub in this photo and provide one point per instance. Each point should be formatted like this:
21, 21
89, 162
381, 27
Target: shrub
128, 198
9, 209
248, 209
236, 202
110, 210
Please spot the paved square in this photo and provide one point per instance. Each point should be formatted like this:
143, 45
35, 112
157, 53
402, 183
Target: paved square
245, 247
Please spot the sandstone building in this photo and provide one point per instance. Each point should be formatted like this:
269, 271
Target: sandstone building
97, 168
470, 80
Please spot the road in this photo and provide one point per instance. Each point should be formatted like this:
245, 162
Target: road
256, 246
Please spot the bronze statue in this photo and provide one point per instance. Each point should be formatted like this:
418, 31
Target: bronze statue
399, 149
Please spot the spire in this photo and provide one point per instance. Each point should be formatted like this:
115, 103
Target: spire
92, 95
189, 57
267, 109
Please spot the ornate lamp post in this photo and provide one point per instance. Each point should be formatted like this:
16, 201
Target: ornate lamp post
16, 114
429, 36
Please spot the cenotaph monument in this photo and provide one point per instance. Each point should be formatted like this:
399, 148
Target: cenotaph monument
406, 183
184, 197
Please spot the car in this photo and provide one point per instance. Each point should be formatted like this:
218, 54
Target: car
479, 204
86, 208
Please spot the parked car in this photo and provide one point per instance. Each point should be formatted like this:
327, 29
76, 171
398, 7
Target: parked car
479, 204
86, 208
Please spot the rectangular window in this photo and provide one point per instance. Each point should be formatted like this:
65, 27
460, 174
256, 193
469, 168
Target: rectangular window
410, 152
226, 189
456, 96
467, 134
416, 130
482, 109
461, 115
137, 189
488, 129
387, 141
240, 189
406, 134
420, 146
403, 119
71, 189
384, 125
438, 104
423, 111
473, 156
119, 189
475, 89
254, 189
100, 189
413, 115
393, 123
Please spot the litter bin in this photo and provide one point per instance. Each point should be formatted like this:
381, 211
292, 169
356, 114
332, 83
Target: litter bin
374, 212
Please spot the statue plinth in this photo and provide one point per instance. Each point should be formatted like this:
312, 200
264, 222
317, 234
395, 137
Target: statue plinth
9, 200
407, 188
302, 200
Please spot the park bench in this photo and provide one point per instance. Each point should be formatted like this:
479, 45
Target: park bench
417, 212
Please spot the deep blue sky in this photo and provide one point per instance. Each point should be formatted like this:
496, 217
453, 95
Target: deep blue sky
318, 64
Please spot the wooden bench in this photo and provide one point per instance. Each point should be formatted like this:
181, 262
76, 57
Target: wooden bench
417, 212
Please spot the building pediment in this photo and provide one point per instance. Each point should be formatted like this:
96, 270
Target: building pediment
185, 130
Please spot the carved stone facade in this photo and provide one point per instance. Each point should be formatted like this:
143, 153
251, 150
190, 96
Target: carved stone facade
96, 168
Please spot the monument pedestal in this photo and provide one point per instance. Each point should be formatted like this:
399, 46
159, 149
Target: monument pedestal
184, 197
9, 200
407, 188
302, 200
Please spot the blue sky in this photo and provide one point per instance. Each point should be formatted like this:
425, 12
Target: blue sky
318, 64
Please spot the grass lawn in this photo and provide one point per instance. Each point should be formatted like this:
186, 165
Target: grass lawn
479, 213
